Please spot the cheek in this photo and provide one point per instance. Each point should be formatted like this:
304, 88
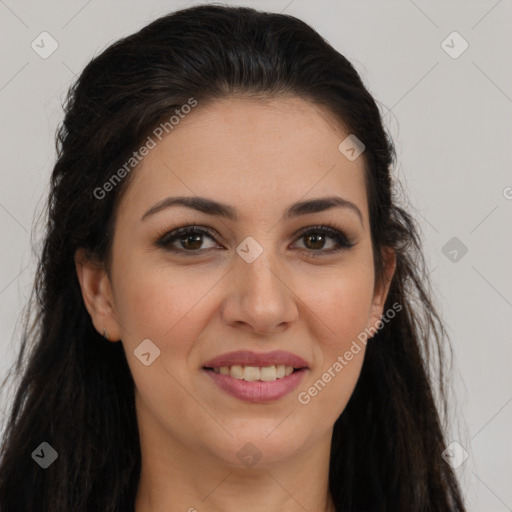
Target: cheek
168, 302
162, 305
341, 301
174, 305
340, 352
171, 307
343, 308
153, 301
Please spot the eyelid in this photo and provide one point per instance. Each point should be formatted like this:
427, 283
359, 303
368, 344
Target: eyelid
344, 242
183, 229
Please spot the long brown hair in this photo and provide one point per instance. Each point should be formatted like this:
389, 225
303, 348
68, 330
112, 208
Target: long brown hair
76, 392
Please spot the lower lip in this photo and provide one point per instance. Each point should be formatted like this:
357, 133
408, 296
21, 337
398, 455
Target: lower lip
257, 391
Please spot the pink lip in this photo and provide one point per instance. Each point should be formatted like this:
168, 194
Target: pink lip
257, 391
249, 358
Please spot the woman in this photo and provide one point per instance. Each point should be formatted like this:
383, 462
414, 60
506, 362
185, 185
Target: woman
232, 310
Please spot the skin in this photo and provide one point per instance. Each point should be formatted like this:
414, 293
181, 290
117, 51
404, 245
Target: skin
259, 157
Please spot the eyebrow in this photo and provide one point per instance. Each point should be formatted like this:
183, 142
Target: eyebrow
211, 207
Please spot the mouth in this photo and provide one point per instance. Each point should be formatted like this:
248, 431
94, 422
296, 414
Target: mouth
248, 385
255, 373
256, 377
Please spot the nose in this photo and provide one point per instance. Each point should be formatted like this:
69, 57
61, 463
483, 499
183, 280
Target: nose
259, 299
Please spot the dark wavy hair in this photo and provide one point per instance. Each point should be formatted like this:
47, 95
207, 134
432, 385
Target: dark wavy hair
75, 390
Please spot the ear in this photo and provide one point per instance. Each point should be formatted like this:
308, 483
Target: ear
97, 294
382, 286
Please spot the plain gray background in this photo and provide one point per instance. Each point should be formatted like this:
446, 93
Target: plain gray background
451, 121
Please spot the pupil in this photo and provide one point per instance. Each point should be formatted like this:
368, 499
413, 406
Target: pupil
186, 239
319, 241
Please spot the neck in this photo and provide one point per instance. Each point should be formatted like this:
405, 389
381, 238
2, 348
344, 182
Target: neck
177, 478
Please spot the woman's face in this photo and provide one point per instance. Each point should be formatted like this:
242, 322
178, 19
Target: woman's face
260, 280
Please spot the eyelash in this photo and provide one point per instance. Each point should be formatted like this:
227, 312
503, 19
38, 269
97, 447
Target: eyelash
167, 237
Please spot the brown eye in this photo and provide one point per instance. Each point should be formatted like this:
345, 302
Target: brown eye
317, 241
185, 240
190, 239
193, 242
316, 238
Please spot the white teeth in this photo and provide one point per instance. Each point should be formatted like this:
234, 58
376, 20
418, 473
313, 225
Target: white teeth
253, 373
237, 371
268, 373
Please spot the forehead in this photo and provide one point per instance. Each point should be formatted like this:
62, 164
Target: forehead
251, 153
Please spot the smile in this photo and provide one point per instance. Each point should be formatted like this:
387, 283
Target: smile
256, 390
254, 373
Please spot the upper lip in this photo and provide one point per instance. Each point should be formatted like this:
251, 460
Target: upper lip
249, 358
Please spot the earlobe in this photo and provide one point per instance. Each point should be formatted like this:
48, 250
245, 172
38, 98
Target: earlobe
382, 287
96, 292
